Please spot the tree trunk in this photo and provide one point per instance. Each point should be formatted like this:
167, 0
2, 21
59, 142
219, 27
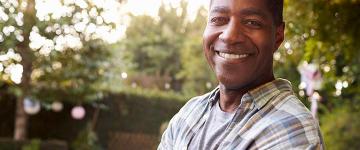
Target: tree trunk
21, 118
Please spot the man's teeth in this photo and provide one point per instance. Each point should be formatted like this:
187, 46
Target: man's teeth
232, 56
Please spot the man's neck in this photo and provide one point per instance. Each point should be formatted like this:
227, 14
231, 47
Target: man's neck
230, 99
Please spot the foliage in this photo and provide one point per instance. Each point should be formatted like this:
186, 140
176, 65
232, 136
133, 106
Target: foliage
324, 33
86, 140
153, 94
56, 54
341, 128
138, 111
33, 145
127, 111
168, 50
196, 74
154, 50
78, 77
61, 53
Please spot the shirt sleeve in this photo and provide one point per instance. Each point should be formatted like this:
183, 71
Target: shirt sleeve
293, 132
170, 136
167, 139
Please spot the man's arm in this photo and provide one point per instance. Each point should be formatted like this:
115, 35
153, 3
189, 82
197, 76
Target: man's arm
293, 132
167, 139
171, 135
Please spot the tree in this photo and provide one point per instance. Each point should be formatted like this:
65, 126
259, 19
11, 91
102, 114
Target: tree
154, 46
54, 50
168, 49
195, 72
324, 33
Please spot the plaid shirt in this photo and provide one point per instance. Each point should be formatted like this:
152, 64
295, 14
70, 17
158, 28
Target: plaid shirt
268, 117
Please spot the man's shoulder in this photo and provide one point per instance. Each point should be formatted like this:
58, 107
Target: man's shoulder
195, 105
289, 121
292, 106
286, 107
198, 101
284, 110
291, 115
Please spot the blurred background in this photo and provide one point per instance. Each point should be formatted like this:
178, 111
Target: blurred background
109, 74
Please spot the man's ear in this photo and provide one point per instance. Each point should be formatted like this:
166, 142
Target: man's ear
279, 35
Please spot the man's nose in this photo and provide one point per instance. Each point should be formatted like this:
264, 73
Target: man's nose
232, 33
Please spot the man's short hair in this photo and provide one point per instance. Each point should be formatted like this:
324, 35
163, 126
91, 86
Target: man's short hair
276, 8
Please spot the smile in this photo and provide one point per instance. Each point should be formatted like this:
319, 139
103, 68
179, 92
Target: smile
229, 56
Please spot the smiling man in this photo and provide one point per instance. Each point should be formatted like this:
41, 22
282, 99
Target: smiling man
250, 109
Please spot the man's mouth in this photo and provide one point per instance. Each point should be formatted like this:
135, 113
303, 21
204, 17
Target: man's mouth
230, 56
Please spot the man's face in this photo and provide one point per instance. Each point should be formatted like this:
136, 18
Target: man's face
239, 41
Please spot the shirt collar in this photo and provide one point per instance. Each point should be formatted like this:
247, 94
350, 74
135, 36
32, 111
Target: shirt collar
214, 95
264, 93
260, 95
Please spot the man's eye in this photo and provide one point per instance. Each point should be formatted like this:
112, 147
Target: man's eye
219, 20
253, 23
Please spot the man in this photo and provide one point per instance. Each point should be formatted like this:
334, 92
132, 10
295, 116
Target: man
250, 109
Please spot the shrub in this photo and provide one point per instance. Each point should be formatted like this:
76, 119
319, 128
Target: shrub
341, 128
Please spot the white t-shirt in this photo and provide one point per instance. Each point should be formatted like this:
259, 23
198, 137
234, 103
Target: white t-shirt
212, 132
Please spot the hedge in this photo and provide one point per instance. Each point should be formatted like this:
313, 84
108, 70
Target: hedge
133, 111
